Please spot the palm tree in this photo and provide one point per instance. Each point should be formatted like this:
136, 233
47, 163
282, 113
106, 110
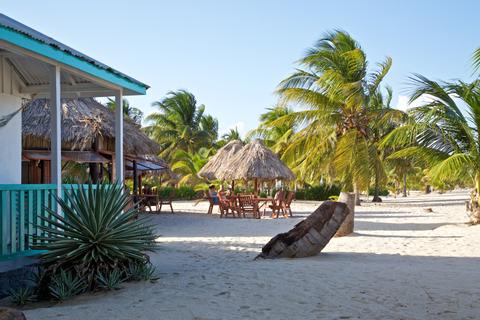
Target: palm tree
189, 164
231, 135
181, 124
439, 134
276, 137
384, 120
133, 113
209, 124
335, 87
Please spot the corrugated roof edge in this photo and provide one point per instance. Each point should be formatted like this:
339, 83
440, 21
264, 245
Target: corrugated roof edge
20, 28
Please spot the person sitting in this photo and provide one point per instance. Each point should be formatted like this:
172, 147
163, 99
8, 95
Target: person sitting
221, 191
212, 193
229, 191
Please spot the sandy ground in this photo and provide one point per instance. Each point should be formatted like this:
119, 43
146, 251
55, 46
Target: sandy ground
401, 263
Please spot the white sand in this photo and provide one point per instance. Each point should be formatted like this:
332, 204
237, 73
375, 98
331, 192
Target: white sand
402, 263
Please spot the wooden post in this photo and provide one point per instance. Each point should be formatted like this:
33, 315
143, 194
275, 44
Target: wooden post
135, 178
119, 168
140, 184
56, 129
347, 226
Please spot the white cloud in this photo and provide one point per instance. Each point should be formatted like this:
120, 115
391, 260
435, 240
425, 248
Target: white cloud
403, 104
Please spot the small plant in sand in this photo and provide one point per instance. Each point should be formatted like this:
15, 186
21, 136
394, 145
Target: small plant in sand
111, 280
65, 285
21, 296
141, 272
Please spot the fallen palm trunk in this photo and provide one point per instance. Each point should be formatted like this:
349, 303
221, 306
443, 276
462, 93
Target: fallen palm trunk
310, 236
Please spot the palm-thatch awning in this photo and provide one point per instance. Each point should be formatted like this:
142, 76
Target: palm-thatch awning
256, 162
85, 121
75, 156
215, 168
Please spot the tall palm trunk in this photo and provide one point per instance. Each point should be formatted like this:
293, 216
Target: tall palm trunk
474, 205
376, 195
357, 194
404, 185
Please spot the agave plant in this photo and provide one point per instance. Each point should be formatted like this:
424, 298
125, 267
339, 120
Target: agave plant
21, 296
141, 272
95, 232
65, 285
111, 280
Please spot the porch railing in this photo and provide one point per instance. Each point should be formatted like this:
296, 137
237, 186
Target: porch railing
21, 206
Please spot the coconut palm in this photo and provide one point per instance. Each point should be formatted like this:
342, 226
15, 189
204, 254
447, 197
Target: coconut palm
209, 124
189, 164
181, 124
335, 86
231, 135
133, 113
276, 137
384, 120
439, 134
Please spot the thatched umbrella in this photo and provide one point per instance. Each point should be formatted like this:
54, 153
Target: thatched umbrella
216, 166
256, 162
85, 122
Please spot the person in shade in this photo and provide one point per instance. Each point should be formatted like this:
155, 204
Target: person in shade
212, 193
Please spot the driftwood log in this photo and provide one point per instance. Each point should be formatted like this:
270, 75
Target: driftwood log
309, 236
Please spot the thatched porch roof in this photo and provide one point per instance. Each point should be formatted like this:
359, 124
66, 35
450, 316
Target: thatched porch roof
218, 163
255, 161
84, 121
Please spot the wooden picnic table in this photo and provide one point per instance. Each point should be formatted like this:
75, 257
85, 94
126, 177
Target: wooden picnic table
264, 202
250, 203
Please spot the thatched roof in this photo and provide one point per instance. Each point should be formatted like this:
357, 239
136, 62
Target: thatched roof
218, 163
255, 161
84, 120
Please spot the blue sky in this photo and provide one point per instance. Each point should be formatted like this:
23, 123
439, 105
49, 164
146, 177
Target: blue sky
232, 54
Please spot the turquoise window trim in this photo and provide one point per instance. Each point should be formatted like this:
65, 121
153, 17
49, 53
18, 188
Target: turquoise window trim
25, 42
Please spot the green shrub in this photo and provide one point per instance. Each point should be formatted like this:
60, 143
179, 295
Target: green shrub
319, 193
185, 193
65, 285
180, 193
382, 192
95, 234
21, 296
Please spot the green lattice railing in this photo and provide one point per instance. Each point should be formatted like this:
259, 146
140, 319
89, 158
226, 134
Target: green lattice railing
21, 205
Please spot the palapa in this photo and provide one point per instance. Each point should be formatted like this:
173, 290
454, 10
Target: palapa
256, 162
216, 166
85, 121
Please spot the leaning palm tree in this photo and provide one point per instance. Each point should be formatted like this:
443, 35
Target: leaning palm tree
440, 135
335, 87
181, 124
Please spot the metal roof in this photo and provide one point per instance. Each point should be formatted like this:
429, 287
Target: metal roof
12, 25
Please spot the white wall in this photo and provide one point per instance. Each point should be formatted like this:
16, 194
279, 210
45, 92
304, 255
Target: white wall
11, 141
11, 134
